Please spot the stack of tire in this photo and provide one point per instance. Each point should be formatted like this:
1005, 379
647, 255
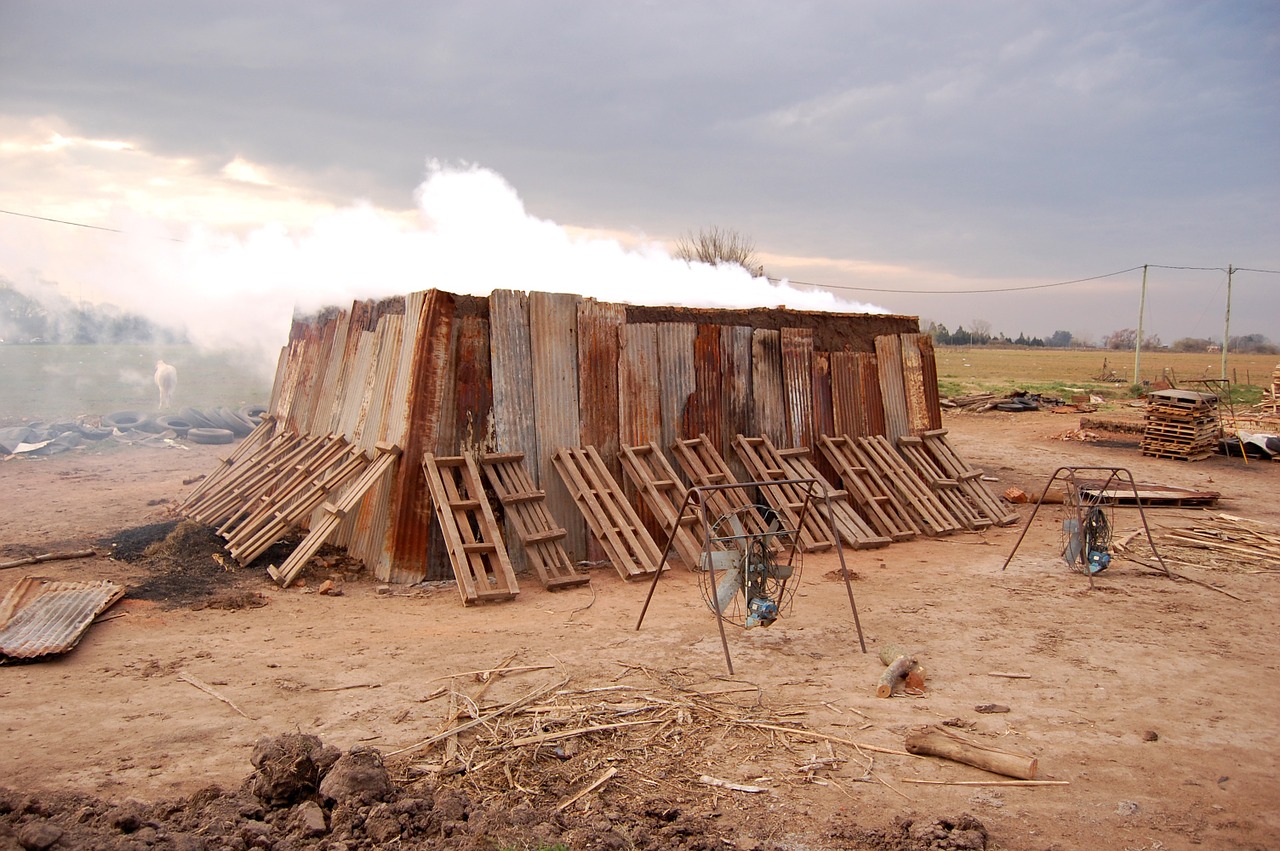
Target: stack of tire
198, 425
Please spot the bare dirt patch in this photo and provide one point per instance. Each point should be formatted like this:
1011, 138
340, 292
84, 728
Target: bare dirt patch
1154, 699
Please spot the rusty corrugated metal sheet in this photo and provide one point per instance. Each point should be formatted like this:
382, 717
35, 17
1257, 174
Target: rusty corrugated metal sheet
50, 617
913, 384
848, 415
872, 403
892, 392
797, 385
823, 412
735, 388
676, 381
512, 369
473, 388
768, 401
410, 530
702, 413
598, 326
930, 367
553, 330
639, 385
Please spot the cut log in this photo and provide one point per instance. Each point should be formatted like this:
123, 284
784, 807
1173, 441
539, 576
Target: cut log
937, 741
912, 680
895, 674
4, 565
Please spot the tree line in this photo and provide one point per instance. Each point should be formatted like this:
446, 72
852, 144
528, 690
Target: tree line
24, 319
1125, 339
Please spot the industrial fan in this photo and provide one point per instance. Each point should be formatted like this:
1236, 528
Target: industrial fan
1088, 545
750, 577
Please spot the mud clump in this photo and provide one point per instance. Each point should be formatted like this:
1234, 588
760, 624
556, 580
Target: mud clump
961, 833
289, 768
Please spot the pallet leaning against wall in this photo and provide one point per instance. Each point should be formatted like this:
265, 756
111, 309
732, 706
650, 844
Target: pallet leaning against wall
926, 510
525, 510
608, 514
877, 499
470, 530
664, 495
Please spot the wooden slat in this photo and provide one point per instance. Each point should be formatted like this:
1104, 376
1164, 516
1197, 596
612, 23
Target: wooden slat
930, 515
469, 529
608, 514
524, 506
877, 501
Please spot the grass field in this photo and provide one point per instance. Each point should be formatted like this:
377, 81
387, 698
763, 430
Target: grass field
47, 382
980, 369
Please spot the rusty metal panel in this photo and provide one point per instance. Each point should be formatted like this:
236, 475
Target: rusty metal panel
930, 368
872, 403
913, 384
702, 414
823, 412
511, 364
410, 529
735, 388
41, 618
553, 331
676, 381
846, 416
768, 402
598, 325
797, 384
639, 385
473, 395
892, 392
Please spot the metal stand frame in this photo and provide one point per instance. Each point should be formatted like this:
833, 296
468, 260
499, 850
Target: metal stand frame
694, 498
1068, 475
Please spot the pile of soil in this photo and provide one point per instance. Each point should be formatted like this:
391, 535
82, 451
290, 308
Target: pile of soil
305, 794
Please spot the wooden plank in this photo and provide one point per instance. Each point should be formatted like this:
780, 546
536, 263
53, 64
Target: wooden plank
553, 324
608, 514
530, 522
469, 529
874, 498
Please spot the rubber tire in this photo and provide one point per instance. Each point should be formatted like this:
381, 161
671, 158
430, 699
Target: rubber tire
253, 413
231, 420
125, 420
210, 435
175, 423
198, 419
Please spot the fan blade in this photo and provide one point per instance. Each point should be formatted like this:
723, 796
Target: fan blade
729, 585
736, 524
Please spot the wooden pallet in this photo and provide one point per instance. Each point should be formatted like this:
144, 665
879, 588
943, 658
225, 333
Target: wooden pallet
610, 517
767, 463
525, 507
471, 536
970, 478
334, 513
949, 491
231, 464
300, 491
244, 480
704, 467
880, 505
664, 495
927, 510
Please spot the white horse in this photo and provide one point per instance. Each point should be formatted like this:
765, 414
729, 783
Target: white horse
166, 381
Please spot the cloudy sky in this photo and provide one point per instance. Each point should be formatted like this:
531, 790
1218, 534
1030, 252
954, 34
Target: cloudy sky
903, 154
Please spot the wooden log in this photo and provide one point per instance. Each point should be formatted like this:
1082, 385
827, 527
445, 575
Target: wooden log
912, 680
938, 741
47, 557
894, 674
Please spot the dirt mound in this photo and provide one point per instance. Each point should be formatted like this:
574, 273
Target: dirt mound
305, 794
130, 545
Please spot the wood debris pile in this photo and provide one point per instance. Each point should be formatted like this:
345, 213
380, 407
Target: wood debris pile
662, 734
1224, 542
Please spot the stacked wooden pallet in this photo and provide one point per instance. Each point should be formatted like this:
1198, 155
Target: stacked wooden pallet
1181, 424
959, 486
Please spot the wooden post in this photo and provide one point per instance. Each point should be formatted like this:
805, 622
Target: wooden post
938, 741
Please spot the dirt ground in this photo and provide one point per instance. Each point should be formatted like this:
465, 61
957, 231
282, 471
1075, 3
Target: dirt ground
1153, 700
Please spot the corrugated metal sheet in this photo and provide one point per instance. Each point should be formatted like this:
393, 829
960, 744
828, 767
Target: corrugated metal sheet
553, 339
848, 415
930, 367
511, 363
797, 384
639, 385
892, 394
50, 617
676, 378
823, 412
913, 384
735, 387
472, 387
410, 530
702, 415
768, 402
872, 403
598, 325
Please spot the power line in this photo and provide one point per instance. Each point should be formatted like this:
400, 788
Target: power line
76, 224
961, 292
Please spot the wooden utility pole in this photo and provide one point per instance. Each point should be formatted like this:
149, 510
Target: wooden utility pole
1137, 344
1226, 331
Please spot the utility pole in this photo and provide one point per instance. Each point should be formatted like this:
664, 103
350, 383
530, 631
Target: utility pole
1137, 344
1226, 331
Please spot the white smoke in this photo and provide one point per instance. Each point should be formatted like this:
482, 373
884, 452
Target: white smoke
240, 290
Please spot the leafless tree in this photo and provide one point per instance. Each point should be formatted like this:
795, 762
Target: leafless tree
719, 248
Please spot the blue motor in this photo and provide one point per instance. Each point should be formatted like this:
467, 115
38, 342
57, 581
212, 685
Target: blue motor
761, 611
1098, 561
